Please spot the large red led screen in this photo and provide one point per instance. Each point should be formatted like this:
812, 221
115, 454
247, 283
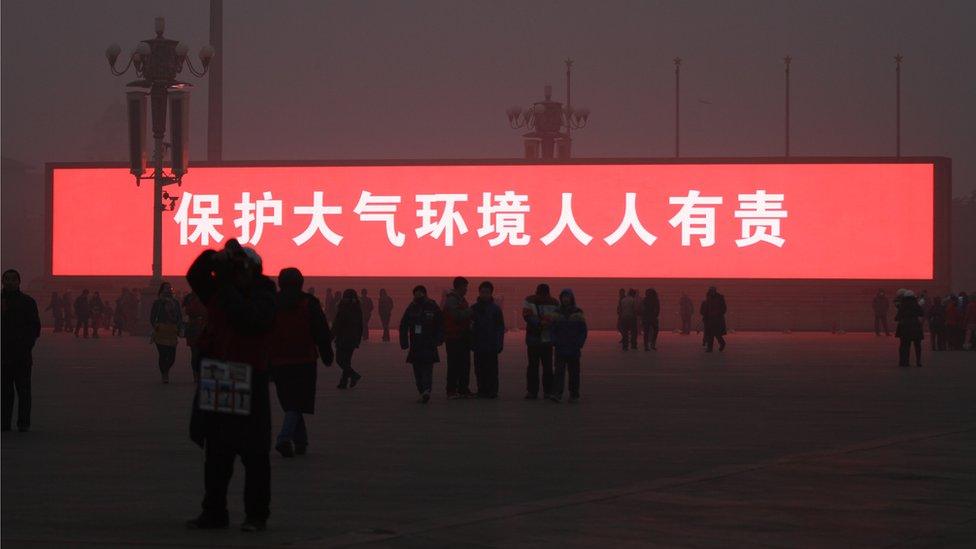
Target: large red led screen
737, 220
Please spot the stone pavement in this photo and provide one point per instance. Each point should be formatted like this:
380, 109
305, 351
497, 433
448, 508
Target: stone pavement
784, 440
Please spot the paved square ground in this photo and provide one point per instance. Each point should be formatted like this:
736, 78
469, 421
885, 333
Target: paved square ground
784, 440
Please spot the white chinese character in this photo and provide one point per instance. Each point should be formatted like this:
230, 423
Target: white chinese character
380, 208
448, 219
317, 222
256, 213
695, 220
566, 219
509, 218
630, 220
204, 226
759, 211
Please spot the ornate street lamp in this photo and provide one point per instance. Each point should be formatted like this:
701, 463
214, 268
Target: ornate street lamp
157, 62
548, 118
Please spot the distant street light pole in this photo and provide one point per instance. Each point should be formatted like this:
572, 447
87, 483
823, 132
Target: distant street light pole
898, 60
215, 92
786, 61
157, 61
569, 95
548, 118
677, 107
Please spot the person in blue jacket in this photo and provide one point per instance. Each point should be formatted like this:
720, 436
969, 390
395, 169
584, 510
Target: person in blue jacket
568, 338
488, 339
422, 331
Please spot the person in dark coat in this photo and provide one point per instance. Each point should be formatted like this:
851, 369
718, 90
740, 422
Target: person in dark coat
20, 326
621, 294
386, 311
422, 331
67, 304
196, 320
880, 306
909, 331
537, 311
82, 313
686, 308
936, 317
166, 319
457, 340
568, 337
240, 304
487, 340
301, 336
96, 308
367, 304
57, 311
650, 313
713, 317
627, 311
348, 331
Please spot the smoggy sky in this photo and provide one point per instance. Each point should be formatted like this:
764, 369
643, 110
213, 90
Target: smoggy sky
383, 79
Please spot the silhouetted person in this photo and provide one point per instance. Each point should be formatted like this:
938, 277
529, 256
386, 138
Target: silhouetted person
627, 310
422, 331
336, 298
457, 339
936, 317
880, 305
385, 310
68, 304
954, 324
166, 318
538, 311
20, 326
686, 309
97, 309
348, 331
82, 313
329, 304
488, 340
621, 294
650, 318
568, 337
196, 320
909, 331
301, 336
970, 323
367, 304
713, 318
57, 311
118, 319
240, 304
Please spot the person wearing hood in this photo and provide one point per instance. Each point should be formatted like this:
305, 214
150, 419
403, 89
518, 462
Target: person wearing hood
301, 337
348, 330
909, 330
713, 311
20, 326
385, 308
166, 319
568, 337
650, 312
240, 304
537, 311
421, 332
487, 340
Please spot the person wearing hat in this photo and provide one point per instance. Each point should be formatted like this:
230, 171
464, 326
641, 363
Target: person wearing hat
240, 303
537, 311
909, 330
568, 337
421, 332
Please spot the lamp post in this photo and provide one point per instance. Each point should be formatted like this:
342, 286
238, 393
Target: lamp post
157, 62
548, 119
786, 62
898, 60
677, 107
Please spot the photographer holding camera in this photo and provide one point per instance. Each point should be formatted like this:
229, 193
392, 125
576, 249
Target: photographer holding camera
240, 303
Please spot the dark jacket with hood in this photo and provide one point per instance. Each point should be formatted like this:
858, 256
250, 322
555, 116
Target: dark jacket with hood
909, 318
713, 313
537, 311
568, 328
348, 325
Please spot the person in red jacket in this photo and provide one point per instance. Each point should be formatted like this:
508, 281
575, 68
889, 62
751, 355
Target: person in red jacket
301, 337
240, 304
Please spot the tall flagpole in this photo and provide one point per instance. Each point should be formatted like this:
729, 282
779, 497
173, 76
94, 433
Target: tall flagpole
898, 60
677, 107
786, 61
